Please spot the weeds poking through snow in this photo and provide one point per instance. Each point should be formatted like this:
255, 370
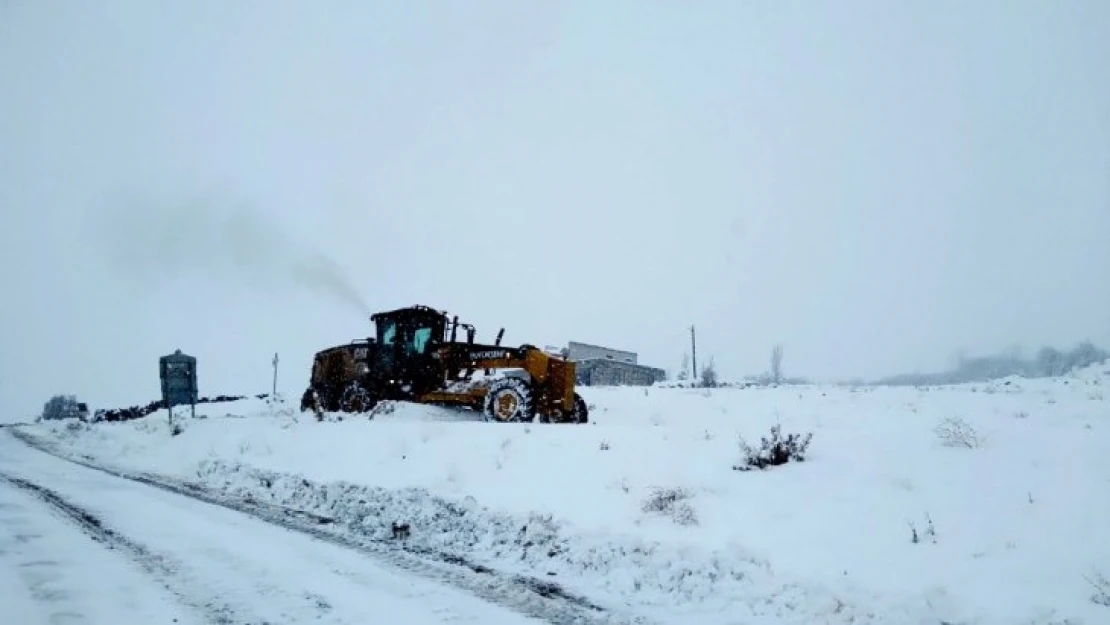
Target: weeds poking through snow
929, 532
604, 446
671, 502
774, 451
1101, 585
400, 531
955, 432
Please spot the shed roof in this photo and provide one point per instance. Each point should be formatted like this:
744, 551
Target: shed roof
177, 356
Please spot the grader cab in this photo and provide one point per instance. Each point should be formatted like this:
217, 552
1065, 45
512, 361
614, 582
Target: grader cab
417, 355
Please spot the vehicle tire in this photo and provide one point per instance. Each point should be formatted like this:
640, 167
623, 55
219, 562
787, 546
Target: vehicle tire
581, 413
309, 401
509, 400
356, 399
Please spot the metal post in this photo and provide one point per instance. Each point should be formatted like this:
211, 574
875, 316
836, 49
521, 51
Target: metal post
694, 351
273, 393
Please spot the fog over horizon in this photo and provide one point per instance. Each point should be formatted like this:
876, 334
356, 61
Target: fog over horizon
876, 186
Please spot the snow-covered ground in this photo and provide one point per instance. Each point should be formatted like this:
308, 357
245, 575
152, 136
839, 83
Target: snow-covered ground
78, 546
1010, 529
49, 573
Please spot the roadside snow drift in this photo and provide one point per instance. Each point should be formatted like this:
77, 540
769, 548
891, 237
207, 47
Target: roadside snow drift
983, 503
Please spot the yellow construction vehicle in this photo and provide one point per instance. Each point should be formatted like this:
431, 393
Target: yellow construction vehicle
416, 355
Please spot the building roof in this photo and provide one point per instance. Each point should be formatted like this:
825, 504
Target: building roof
611, 349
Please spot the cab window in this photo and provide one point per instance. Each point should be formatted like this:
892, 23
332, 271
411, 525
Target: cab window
389, 333
420, 339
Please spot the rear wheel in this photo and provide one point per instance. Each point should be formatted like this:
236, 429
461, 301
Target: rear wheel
580, 413
308, 401
509, 400
356, 399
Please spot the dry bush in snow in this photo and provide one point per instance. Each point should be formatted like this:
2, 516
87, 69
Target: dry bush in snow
955, 432
672, 502
1101, 585
774, 451
929, 531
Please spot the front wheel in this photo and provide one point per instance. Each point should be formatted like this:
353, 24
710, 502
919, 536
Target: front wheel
581, 412
509, 400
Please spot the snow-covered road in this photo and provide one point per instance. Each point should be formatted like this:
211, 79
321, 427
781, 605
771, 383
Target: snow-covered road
81, 546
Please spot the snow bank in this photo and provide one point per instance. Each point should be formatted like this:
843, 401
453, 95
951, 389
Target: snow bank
1017, 520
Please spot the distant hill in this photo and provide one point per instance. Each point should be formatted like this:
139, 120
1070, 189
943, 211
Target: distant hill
1049, 362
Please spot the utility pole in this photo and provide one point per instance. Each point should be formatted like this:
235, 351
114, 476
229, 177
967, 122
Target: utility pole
694, 351
273, 393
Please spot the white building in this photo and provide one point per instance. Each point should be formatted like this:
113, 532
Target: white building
604, 366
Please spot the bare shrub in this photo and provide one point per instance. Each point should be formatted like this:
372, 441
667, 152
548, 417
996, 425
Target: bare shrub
671, 502
684, 514
1101, 585
928, 533
955, 432
774, 451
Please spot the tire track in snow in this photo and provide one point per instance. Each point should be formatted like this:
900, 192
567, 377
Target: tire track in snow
531, 597
164, 569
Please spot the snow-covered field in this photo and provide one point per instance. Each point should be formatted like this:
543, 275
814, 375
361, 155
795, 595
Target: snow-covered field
1010, 529
79, 546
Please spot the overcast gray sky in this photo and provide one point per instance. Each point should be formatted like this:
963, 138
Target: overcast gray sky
876, 184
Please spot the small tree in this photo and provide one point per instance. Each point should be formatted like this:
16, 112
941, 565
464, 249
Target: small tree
1050, 362
776, 364
709, 374
684, 369
60, 407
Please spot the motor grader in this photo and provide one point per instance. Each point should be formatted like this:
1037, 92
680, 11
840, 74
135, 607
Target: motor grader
417, 355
